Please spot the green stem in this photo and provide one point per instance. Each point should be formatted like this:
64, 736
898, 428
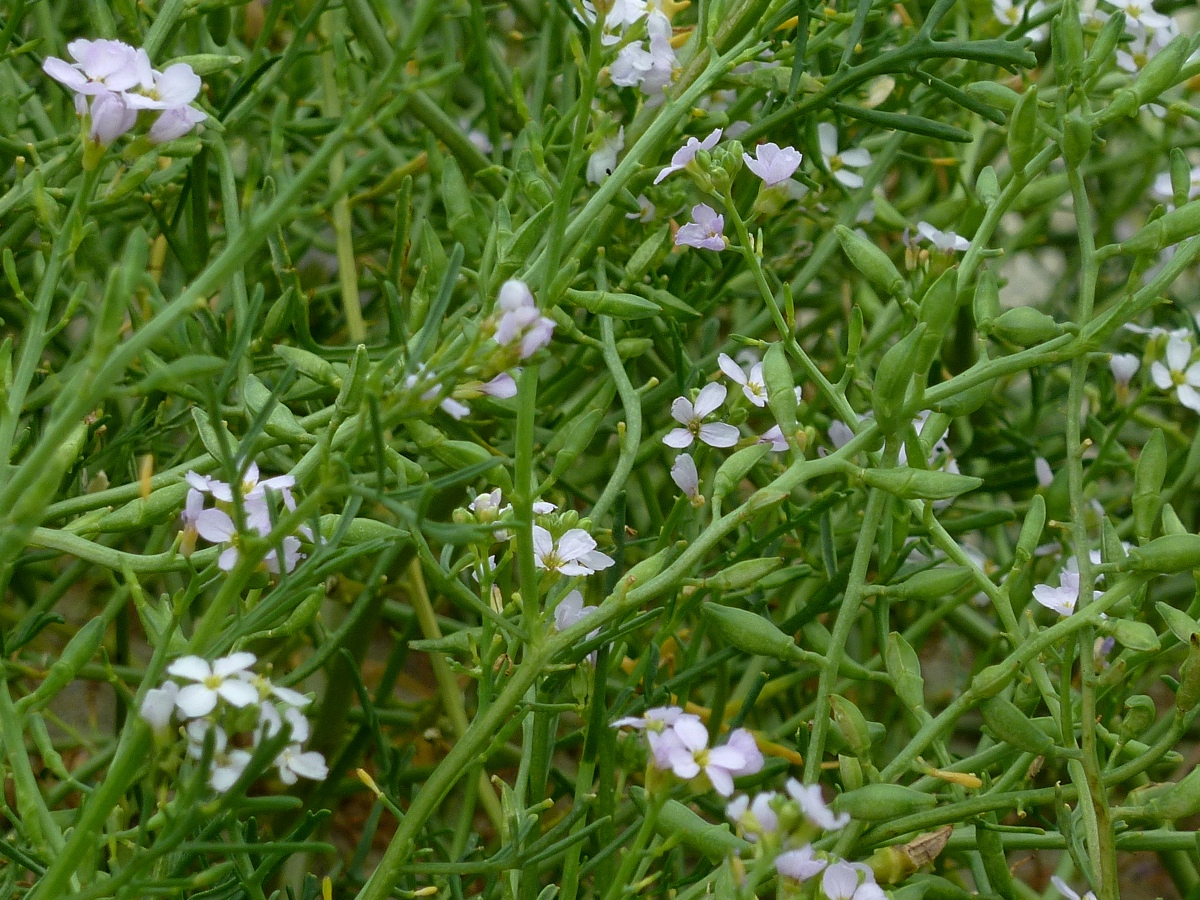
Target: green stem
632, 439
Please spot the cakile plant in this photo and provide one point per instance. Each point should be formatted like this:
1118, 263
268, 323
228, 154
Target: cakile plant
599, 448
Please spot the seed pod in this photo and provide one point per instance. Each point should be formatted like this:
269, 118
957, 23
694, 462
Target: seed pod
1135, 635
1025, 326
1023, 137
1140, 713
734, 469
309, 365
850, 771
919, 484
74, 656
643, 256
1188, 693
163, 503
578, 436
781, 391
1009, 724
742, 574
1171, 228
904, 668
1158, 75
851, 725
1171, 523
934, 584
1067, 39
281, 423
870, 261
991, 681
986, 301
987, 186
1168, 554
1181, 177
360, 531
645, 570
1181, 624
995, 93
354, 385
610, 303
1076, 139
749, 632
881, 802
678, 822
1104, 45
939, 308
1031, 530
890, 392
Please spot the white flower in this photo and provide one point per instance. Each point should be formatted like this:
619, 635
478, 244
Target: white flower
662, 56
222, 680
686, 478
111, 117
270, 722
715, 434
659, 724
946, 241
841, 881
688, 755
175, 123
571, 610
174, 87
291, 555
100, 66
543, 507
1043, 472
488, 507
799, 865
602, 162
1065, 889
836, 162
773, 164
227, 766
632, 65
756, 819
648, 210
295, 762
1061, 599
574, 554
687, 153
813, 805
520, 319
753, 385
1009, 14
705, 232
1141, 15
1124, 366
1177, 373
159, 704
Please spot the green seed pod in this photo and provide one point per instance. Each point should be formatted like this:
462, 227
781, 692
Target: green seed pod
1171, 228
1135, 635
1169, 801
850, 771
870, 261
281, 423
309, 365
527, 236
205, 64
890, 393
882, 802
995, 862
1167, 554
987, 301
577, 437
1171, 523
1159, 74
734, 469
781, 392
208, 434
680, 823
1025, 326
457, 643
919, 484
354, 385
934, 584
994, 93
1105, 45
1067, 38
220, 23
939, 309
749, 632
1023, 137
742, 574
1181, 624
645, 570
987, 186
1181, 177
851, 725
361, 531
162, 504
1009, 724
967, 401
991, 681
904, 668
1188, 693
644, 255
1140, 713
609, 303
1076, 139
304, 614
75, 655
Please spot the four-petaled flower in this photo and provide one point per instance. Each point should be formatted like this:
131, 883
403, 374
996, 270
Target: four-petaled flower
687, 479
946, 241
1177, 373
753, 385
705, 232
836, 162
850, 881
691, 417
520, 321
813, 805
772, 163
1009, 13
800, 865
688, 754
224, 679
1061, 599
685, 154
1124, 366
756, 819
575, 552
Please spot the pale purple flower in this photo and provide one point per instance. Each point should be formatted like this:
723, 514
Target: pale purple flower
604, 159
520, 319
813, 805
632, 65
648, 210
575, 552
800, 865
705, 232
1124, 366
847, 881
216, 527
571, 610
1061, 599
1177, 373
690, 755
946, 241
222, 680
774, 437
100, 66
773, 164
752, 384
659, 724
691, 417
840, 434
111, 117
502, 387
756, 819
176, 86
175, 123
836, 162
687, 153
686, 478
291, 555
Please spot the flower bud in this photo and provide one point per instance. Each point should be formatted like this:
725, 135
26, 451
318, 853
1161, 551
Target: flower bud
1188, 693
1023, 136
870, 261
987, 301
1025, 326
749, 632
1076, 139
920, 484
939, 308
1168, 554
1148, 480
881, 802
1181, 176
1140, 713
1067, 39
890, 393
851, 725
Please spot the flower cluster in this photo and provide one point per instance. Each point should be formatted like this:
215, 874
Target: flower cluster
679, 744
647, 64
519, 323
216, 525
113, 82
1150, 30
214, 702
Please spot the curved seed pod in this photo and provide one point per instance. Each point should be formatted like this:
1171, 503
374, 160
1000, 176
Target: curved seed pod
920, 484
881, 802
749, 632
870, 261
1167, 554
1009, 724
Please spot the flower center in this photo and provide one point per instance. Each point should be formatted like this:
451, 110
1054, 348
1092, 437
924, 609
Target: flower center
835, 163
1178, 378
212, 682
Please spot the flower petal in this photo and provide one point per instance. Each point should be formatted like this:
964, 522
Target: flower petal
215, 526
238, 693
196, 700
194, 668
827, 138
682, 410
711, 396
574, 544
678, 438
718, 434
1161, 376
731, 369
1189, 397
234, 662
